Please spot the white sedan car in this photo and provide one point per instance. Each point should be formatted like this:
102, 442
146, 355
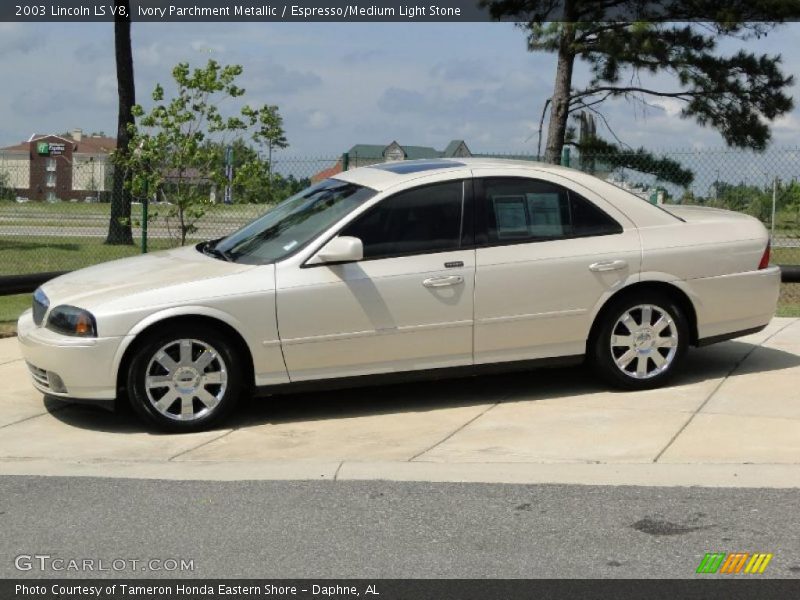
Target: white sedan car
406, 269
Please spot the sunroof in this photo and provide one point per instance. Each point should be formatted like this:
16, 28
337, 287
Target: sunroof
415, 166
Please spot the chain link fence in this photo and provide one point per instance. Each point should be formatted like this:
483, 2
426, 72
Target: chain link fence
50, 225
58, 221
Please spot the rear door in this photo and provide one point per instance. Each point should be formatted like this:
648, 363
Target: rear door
548, 253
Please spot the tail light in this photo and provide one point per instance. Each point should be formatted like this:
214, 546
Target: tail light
764, 258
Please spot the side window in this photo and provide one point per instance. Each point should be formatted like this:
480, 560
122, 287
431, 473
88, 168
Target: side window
520, 210
424, 219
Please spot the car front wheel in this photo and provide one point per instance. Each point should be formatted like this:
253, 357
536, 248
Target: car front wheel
641, 341
182, 380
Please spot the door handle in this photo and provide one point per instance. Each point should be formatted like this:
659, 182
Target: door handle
435, 282
609, 265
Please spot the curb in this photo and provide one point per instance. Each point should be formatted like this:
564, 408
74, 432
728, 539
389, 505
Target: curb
629, 474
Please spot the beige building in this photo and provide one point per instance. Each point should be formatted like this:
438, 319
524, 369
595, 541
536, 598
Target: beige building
58, 167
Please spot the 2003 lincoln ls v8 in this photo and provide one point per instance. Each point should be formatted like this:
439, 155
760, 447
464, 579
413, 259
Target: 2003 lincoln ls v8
419, 268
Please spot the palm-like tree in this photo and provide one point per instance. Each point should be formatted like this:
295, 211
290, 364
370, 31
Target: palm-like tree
119, 227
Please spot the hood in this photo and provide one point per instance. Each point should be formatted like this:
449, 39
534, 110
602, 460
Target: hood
127, 276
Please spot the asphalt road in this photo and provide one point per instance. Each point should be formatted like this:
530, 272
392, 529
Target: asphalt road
382, 530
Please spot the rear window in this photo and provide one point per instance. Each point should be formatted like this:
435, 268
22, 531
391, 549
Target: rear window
521, 210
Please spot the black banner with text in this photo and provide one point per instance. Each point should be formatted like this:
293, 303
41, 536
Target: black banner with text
732, 588
299, 11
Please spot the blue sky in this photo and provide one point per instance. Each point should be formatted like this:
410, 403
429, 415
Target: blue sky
336, 84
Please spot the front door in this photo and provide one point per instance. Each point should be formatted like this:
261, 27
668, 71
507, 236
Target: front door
407, 306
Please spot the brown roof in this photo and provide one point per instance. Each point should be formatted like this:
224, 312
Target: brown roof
327, 173
96, 145
23, 147
87, 145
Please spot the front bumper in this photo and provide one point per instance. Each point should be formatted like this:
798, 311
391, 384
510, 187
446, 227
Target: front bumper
69, 367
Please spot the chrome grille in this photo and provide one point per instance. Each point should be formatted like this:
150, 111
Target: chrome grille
40, 305
39, 375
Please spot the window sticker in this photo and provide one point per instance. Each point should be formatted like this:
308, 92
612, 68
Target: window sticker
545, 212
511, 216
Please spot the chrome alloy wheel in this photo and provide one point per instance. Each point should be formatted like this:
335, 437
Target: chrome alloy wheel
644, 341
186, 379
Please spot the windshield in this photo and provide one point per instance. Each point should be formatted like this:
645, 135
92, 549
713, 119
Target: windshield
293, 223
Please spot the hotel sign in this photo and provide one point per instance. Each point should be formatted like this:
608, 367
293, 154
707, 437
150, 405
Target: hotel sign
50, 148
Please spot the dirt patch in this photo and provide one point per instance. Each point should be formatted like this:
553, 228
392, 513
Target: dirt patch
659, 526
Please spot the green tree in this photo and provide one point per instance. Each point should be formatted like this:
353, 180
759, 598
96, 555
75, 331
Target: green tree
6, 193
254, 179
270, 131
595, 150
178, 143
737, 95
270, 134
250, 183
791, 199
283, 187
743, 197
119, 225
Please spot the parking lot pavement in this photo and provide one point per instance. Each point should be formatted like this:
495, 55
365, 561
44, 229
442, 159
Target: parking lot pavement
731, 419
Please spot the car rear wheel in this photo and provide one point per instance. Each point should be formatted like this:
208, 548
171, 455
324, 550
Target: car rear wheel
641, 341
184, 380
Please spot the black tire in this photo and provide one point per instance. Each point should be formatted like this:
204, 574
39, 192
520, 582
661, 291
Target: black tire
607, 361
187, 380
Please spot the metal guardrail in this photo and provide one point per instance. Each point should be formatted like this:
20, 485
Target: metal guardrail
790, 273
27, 284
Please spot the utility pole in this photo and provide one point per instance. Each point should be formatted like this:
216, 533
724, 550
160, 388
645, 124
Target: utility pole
229, 174
774, 202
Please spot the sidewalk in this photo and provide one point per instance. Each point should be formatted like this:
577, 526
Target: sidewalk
732, 419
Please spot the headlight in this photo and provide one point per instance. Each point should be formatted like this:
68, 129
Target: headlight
40, 306
71, 320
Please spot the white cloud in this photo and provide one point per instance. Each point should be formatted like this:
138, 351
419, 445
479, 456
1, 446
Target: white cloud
317, 119
354, 82
207, 47
105, 87
464, 69
270, 77
15, 37
787, 126
147, 55
671, 106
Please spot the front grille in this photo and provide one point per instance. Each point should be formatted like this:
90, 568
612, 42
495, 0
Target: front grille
39, 376
40, 305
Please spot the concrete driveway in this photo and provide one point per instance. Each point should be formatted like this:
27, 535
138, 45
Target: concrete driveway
731, 419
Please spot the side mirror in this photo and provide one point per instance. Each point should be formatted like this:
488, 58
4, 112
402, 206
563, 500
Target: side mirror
340, 249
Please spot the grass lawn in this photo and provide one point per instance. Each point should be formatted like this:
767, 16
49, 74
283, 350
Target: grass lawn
11, 307
785, 256
789, 302
44, 254
57, 212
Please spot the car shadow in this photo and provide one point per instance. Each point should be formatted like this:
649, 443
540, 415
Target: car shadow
702, 364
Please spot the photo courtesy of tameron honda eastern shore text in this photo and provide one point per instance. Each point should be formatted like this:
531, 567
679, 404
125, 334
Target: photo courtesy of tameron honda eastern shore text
405, 269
